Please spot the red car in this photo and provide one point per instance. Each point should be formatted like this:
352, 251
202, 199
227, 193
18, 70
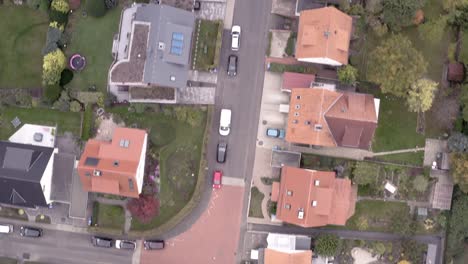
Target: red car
217, 176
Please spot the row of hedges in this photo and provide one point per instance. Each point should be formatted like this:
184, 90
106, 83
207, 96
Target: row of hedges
278, 67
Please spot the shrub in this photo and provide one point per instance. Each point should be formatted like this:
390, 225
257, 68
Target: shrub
278, 67
52, 67
111, 3
96, 8
66, 77
60, 17
420, 183
63, 103
52, 93
347, 74
55, 24
53, 37
75, 106
60, 5
144, 208
290, 45
374, 6
356, 10
327, 245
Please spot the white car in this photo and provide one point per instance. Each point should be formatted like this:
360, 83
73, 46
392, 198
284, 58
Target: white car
125, 244
235, 36
225, 122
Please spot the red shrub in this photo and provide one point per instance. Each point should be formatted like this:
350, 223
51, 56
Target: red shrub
144, 208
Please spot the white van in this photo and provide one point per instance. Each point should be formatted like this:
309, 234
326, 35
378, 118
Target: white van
235, 38
6, 228
225, 122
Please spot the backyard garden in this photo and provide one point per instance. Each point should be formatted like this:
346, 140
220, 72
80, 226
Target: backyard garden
176, 140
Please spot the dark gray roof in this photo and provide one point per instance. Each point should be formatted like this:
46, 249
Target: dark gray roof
172, 28
21, 170
281, 158
62, 177
302, 5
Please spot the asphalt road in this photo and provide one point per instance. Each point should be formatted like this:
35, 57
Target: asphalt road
58, 247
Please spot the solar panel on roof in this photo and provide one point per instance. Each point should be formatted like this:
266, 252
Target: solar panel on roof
177, 43
90, 161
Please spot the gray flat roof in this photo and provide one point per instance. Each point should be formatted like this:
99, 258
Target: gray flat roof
169, 44
285, 158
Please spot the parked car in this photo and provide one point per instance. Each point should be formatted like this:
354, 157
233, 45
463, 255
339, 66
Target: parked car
153, 244
27, 231
225, 122
276, 133
221, 153
232, 65
235, 38
6, 228
217, 179
125, 244
101, 242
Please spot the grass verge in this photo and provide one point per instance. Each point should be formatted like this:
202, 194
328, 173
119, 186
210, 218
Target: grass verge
256, 198
206, 49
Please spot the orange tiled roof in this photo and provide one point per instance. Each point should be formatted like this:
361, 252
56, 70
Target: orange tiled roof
319, 195
328, 118
277, 257
117, 163
324, 33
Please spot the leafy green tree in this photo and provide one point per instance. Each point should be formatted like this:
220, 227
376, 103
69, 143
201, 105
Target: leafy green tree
457, 142
327, 245
400, 13
378, 248
451, 5
459, 169
421, 95
420, 183
459, 17
395, 65
52, 67
413, 250
75, 106
347, 74
457, 228
365, 173
433, 31
60, 5
96, 8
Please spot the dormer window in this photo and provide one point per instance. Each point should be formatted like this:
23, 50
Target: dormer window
316, 182
97, 173
318, 127
314, 203
296, 113
287, 206
116, 163
297, 106
298, 97
300, 214
289, 193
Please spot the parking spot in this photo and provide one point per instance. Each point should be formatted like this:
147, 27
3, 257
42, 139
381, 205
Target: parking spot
206, 241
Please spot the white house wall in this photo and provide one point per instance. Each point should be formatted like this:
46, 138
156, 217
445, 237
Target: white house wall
46, 180
326, 61
141, 165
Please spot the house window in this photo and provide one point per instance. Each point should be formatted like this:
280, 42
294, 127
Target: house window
289, 193
298, 97
124, 143
297, 106
314, 203
97, 173
318, 127
316, 182
116, 163
287, 206
130, 184
296, 113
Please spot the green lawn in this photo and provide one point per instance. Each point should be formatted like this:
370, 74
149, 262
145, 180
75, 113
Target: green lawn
24, 32
256, 198
179, 146
92, 37
6, 260
207, 45
377, 213
65, 121
410, 158
109, 216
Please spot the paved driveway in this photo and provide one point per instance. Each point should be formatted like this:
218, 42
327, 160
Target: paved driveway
212, 239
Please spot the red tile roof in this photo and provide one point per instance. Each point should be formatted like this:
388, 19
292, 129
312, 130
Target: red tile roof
324, 33
272, 256
312, 198
346, 119
296, 80
117, 160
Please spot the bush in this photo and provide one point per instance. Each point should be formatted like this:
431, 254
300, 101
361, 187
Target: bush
347, 74
59, 17
327, 245
60, 6
52, 67
63, 103
111, 3
96, 8
144, 208
66, 77
420, 183
52, 93
291, 43
75, 106
356, 10
374, 6
278, 67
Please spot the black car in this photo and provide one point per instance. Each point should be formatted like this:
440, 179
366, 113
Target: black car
232, 65
101, 242
27, 231
153, 244
221, 153
125, 244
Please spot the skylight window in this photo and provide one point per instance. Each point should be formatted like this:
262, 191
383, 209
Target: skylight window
177, 43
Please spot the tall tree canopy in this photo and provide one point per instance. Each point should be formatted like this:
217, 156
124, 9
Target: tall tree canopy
395, 64
421, 95
459, 167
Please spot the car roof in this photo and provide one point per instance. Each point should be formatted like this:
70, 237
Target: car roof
218, 174
236, 28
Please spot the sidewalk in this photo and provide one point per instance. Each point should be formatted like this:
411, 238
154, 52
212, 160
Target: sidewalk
59, 227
